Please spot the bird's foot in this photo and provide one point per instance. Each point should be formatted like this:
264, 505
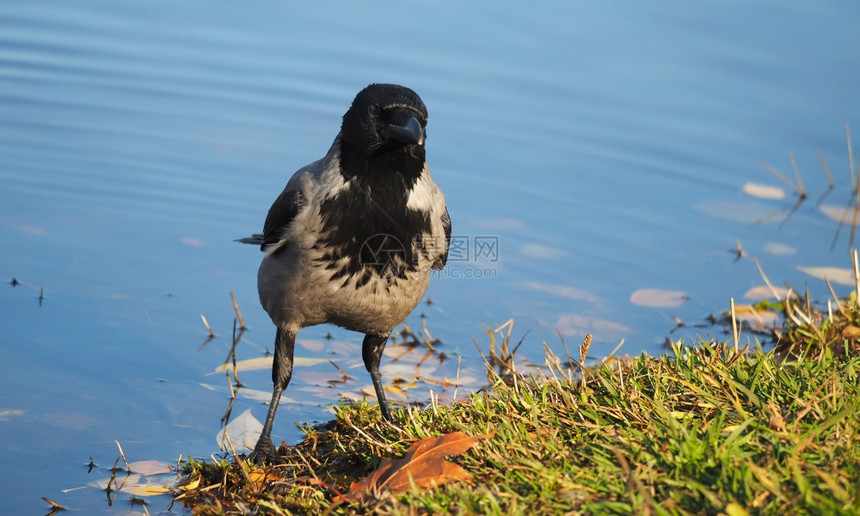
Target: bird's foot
264, 452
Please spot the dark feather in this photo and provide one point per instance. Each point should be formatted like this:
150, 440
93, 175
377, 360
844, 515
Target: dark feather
255, 239
281, 214
446, 226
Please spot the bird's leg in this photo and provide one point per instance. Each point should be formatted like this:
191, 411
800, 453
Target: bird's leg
282, 370
371, 352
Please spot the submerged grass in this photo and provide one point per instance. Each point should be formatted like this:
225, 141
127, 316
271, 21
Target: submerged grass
705, 430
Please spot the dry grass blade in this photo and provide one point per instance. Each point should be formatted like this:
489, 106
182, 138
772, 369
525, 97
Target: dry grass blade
854, 261
854, 220
851, 165
54, 504
826, 168
614, 350
122, 454
738, 250
238, 313
238, 459
764, 278
801, 190
344, 376
209, 328
735, 333
779, 175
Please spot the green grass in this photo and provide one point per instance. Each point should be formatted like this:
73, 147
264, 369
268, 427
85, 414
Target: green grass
702, 430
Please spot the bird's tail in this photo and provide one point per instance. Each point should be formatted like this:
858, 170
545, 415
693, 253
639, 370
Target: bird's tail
255, 239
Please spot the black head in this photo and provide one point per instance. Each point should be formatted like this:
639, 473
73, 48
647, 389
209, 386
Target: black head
384, 118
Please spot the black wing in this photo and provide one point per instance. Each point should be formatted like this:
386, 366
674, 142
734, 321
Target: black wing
446, 226
283, 211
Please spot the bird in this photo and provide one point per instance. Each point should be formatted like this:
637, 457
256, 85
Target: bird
353, 238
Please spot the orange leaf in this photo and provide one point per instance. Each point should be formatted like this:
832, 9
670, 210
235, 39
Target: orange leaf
424, 465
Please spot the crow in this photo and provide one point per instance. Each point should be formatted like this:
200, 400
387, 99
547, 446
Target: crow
353, 237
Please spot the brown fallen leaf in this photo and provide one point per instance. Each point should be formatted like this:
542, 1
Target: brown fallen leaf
424, 465
260, 476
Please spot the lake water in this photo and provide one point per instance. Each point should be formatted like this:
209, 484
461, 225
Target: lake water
589, 153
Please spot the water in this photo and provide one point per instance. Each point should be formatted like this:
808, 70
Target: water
588, 151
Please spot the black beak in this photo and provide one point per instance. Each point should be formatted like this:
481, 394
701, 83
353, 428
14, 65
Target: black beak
410, 132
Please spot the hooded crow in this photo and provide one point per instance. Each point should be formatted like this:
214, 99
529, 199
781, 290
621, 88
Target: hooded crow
353, 237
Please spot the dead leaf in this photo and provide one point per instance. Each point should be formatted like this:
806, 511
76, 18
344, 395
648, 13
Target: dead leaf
149, 467
190, 486
5, 414
243, 431
764, 292
752, 314
263, 363
260, 476
424, 465
850, 332
658, 298
838, 275
837, 213
779, 249
763, 191
133, 484
149, 489
776, 421
539, 251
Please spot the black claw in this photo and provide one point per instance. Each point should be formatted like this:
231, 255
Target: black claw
386, 415
264, 452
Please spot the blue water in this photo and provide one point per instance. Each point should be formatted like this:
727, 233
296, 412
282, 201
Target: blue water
587, 150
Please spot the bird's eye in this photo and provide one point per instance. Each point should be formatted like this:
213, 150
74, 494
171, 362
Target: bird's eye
375, 109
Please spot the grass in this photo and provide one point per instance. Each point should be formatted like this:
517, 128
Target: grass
704, 430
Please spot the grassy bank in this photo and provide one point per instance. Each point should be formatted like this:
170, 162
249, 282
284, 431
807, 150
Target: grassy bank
703, 430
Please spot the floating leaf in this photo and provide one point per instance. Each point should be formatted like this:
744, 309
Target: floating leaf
192, 242
148, 489
149, 467
563, 291
117, 482
254, 364
258, 395
542, 252
764, 292
408, 370
779, 249
423, 466
658, 298
572, 324
135, 483
837, 213
314, 345
243, 431
834, 274
752, 314
763, 191
6, 414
